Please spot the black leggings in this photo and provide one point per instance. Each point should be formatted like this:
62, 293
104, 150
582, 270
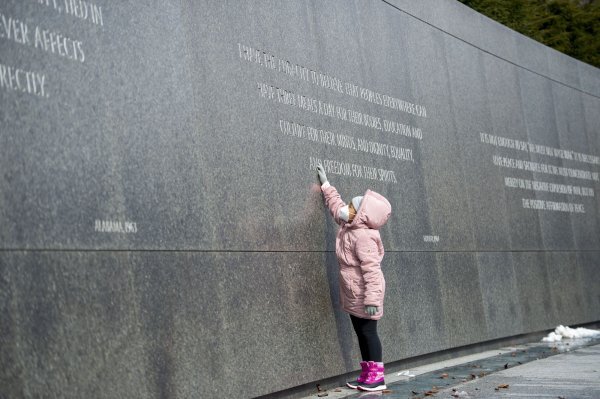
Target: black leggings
368, 340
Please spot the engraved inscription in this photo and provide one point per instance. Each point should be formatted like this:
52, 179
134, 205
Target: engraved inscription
353, 170
315, 104
430, 238
271, 61
530, 166
538, 149
46, 40
519, 183
22, 80
115, 226
309, 104
81, 9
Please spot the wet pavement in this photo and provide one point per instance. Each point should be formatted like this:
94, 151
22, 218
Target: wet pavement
575, 374
567, 369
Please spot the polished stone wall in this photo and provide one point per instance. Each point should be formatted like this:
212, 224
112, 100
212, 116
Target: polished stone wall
162, 229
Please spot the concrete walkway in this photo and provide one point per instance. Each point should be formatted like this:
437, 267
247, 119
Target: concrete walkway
575, 374
569, 369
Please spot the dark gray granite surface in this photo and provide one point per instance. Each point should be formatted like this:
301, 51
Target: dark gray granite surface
500, 293
109, 324
179, 138
535, 295
162, 229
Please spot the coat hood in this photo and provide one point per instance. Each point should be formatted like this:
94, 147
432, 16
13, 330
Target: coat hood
374, 212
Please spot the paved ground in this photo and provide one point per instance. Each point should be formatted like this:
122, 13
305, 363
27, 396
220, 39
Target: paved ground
575, 374
569, 370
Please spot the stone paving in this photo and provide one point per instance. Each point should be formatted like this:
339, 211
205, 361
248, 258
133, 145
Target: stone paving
569, 369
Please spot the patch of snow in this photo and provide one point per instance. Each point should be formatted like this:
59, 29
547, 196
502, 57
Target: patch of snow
570, 333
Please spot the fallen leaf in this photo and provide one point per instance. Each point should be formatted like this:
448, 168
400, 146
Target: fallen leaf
445, 375
482, 374
503, 386
387, 391
432, 391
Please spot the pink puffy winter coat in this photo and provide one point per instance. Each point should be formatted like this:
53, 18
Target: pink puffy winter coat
359, 251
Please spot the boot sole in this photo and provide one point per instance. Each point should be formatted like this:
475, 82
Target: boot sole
373, 388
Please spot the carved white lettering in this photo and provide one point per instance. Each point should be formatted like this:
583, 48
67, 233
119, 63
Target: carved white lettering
541, 168
554, 188
570, 155
15, 30
283, 65
353, 170
81, 9
17, 79
115, 226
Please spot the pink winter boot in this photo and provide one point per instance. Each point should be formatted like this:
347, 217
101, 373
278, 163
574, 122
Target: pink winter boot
374, 380
361, 378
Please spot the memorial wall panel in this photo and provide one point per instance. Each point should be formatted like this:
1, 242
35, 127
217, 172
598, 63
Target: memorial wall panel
499, 293
162, 229
533, 282
590, 280
538, 103
507, 125
489, 224
209, 144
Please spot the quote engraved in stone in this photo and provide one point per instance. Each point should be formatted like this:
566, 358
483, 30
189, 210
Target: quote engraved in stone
287, 97
431, 238
17, 79
525, 146
310, 133
542, 205
115, 226
42, 39
81, 9
542, 168
268, 60
534, 185
353, 170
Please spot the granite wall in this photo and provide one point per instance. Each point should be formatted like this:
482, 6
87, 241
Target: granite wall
162, 233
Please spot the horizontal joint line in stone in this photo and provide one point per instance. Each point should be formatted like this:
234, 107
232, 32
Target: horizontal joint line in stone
288, 251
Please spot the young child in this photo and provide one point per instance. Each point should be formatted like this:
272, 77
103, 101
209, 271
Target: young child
359, 251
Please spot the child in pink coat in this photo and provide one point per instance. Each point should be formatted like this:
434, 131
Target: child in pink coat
359, 251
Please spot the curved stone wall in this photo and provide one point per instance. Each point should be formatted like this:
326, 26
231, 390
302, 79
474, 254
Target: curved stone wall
162, 231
